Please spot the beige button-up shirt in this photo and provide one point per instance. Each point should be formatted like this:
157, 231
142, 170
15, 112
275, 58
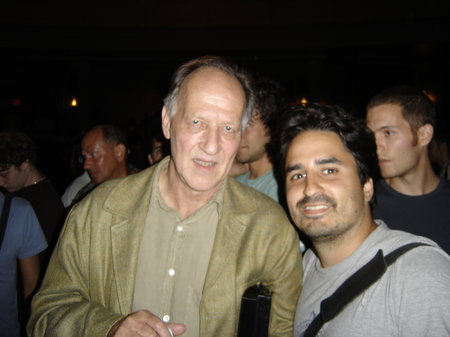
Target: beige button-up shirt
173, 260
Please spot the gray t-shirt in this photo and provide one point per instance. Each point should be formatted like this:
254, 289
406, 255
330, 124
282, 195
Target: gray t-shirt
411, 299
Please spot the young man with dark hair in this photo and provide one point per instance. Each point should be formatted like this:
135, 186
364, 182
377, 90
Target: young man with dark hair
329, 162
20, 177
411, 196
253, 150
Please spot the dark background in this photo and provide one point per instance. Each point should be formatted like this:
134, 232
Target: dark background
117, 57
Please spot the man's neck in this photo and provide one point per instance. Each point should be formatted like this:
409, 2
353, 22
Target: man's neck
422, 180
122, 171
179, 196
333, 252
260, 167
34, 176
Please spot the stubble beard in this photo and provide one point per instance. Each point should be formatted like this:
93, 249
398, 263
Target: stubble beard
316, 227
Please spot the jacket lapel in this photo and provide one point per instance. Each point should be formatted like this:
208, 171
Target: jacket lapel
129, 214
229, 233
125, 251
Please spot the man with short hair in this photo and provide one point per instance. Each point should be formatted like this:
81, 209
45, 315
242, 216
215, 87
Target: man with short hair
410, 197
105, 152
252, 151
171, 250
329, 159
20, 177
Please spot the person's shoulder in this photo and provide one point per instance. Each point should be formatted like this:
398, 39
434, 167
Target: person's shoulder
243, 177
421, 256
445, 186
121, 195
254, 207
135, 180
22, 214
384, 190
20, 205
426, 266
389, 239
248, 194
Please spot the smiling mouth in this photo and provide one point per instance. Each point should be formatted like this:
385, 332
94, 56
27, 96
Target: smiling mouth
204, 163
314, 211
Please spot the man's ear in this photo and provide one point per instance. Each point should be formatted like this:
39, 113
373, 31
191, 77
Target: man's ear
25, 165
368, 189
165, 118
425, 134
120, 151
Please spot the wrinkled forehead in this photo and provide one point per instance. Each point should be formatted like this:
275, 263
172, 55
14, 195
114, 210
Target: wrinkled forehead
215, 84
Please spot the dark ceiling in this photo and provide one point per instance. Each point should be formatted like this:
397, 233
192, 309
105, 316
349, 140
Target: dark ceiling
116, 57
247, 25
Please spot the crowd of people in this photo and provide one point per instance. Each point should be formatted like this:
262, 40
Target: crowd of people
345, 220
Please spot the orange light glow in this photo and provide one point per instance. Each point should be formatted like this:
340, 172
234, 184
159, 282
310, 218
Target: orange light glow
74, 102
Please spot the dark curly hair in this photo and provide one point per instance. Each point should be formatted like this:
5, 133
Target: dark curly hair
15, 148
356, 137
270, 100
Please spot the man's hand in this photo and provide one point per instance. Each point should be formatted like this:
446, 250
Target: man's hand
144, 324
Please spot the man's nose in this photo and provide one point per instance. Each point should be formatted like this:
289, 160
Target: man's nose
87, 163
312, 185
211, 141
381, 144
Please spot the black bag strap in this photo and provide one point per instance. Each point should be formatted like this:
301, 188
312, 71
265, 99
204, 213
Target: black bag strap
4, 217
362, 279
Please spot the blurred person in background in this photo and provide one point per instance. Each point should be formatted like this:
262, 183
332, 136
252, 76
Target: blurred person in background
20, 177
105, 157
270, 100
410, 196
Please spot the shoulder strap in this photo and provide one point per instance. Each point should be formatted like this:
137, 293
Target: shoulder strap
355, 285
4, 217
394, 255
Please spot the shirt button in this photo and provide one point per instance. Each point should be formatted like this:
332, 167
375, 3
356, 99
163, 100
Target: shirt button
179, 228
171, 272
166, 318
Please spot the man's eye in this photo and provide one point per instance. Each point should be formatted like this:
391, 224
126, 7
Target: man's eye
388, 133
228, 128
195, 122
298, 176
329, 171
93, 155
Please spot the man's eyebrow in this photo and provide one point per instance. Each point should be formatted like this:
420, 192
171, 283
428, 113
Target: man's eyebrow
322, 161
384, 127
328, 160
293, 168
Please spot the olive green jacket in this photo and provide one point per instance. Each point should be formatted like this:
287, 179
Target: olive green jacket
90, 281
